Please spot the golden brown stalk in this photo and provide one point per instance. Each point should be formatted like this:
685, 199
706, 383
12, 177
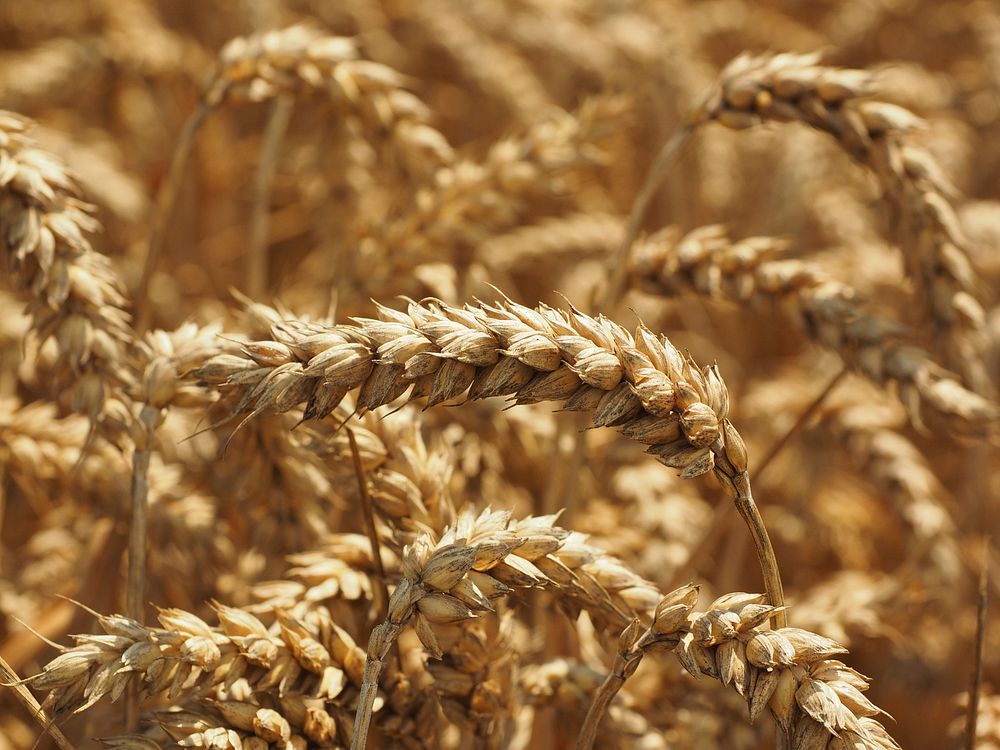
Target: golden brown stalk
618, 264
976, 681
257, 257
720, 519
642, 385
815, 699
797, 88
706, 261
166, 357
366, 509
77, 299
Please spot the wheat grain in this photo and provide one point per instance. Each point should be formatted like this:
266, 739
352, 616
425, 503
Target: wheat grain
815, 699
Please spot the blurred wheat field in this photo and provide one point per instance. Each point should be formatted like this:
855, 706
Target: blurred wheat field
501, 374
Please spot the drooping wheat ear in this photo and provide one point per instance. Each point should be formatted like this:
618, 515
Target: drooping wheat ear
292, 61
642, 385
262, 66
708, 262
817, 701
900, 470
470, 198
76, 298
186, 659
453, 578
796, 88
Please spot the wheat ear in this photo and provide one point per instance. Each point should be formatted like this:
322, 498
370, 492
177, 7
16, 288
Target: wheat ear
706, 261
797, 88
76, 298
816, 700
642, 385
288, 62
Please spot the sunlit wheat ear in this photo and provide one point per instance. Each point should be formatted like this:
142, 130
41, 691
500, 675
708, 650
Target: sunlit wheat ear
814, 698
641, 385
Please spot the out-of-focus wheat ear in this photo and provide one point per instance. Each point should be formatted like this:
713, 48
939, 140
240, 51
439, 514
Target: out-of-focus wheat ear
470, 196
706, 261
297, 61
494, 67
796, 88
880, 450
76, 298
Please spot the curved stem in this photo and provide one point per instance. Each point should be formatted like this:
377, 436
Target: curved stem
602, 700
619, 265
163, 211
277, 123
721, 516
26, 699
768, 561
976, 681
369, 514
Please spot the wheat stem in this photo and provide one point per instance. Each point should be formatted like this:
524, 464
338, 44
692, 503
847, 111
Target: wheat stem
369, 514
26, 699
163, 211
257, 255
620, 262
976, 681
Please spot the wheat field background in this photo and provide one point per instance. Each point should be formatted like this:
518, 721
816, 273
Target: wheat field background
501, 374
